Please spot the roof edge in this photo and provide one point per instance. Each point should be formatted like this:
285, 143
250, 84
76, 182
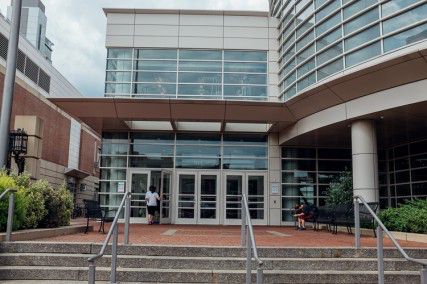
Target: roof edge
256, 13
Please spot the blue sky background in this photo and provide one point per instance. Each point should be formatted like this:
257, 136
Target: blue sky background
77, 28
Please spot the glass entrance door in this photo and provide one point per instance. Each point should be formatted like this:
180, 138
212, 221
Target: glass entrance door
253, 185
197, 201
138, 186
208, 198
186, 199
165, 193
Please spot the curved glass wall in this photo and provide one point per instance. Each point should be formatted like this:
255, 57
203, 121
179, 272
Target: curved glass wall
186, 74
319, 38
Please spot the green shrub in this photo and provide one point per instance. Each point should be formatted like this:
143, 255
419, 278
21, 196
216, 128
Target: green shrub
59, 205
21, 203
341, 190
36, 210
410, 217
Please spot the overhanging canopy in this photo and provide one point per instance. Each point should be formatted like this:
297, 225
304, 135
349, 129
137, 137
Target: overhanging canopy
122, 114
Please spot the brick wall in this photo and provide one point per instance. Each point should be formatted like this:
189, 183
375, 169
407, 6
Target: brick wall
56, 131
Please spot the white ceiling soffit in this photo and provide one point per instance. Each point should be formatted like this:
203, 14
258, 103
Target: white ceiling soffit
198, 126
149, 125
247, 127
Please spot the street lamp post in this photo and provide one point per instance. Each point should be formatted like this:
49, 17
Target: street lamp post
9, 81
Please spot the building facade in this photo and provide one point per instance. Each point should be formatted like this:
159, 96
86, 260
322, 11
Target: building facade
61, 149
207, 105
33, 26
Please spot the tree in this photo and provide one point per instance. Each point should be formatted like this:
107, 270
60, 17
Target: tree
341, 189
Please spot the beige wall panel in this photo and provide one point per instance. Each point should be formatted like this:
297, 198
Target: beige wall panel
276, 176
119, 41
273, 67
273, 22
246, 32
245, 21
200, 42
120, 30
275, 217
275, 164
117, 18
201, 31
273, 33
274, 152
273, 44
157, 19
273, 79
273, 56
326, 117
156, 30
198, 20
273, 91
153, 41
245, 43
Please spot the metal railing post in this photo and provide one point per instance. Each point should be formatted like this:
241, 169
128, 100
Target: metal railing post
127, 219
424, 275
113, 276
243, 229
10, 213
380, 254
259, 275
91, 273
356, 223
248, 258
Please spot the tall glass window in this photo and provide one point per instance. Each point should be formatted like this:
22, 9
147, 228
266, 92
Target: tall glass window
187, 74
343, 33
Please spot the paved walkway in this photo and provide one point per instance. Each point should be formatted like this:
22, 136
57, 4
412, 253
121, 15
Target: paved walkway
202, 235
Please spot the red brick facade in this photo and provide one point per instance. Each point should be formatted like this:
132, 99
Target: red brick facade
56, 130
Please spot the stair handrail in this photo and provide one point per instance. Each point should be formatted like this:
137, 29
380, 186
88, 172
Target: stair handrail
10, 212
113, 231
248, 240
380, 248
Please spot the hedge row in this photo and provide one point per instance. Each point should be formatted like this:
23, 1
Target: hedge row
37, 203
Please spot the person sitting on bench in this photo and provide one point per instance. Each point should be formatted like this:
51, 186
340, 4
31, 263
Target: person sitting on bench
302, 213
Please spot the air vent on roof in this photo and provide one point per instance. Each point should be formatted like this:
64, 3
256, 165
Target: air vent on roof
20, 63
3, 46
31, 70
44, 81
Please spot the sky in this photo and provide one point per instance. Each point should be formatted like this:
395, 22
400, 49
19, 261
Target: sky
77, 28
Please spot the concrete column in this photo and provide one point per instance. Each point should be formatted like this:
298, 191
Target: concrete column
33, 126
274, 183
365, 160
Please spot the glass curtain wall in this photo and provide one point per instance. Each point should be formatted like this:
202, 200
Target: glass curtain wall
307, 173
407, 172
186, 74
319, 38
160, 150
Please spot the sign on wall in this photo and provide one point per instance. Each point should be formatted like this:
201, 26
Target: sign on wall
121, 187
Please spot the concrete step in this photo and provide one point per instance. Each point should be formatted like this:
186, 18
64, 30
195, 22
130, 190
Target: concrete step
222, 263
200, 251
203, 276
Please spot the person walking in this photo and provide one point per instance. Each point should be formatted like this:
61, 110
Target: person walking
151, 197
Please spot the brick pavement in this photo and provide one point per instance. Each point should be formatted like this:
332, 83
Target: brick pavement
202, 235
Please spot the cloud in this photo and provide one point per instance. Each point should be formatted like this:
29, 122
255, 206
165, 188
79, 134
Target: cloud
77, 28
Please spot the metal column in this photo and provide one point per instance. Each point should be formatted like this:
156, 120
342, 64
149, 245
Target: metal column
9, 227
380, 254
113, 276
127, 219
356, 224
9, 81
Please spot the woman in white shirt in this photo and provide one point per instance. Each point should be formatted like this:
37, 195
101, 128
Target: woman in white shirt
151, 197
